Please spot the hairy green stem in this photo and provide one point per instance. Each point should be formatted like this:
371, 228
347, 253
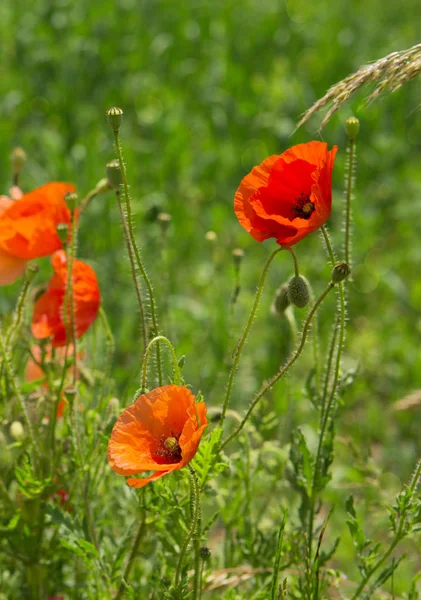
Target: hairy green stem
136, 250
348, 198
194, 522
133, 269
156, 340
294, 256
284, 369
138, 539
110, 345
239, 348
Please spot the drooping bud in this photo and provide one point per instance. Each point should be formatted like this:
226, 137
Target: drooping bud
352, 127
340, 272
298, 291
113, 172
237, 256
72, 200
17, 431
164, 219
281, 300
205, 553
63, 232
18, 159
115, 117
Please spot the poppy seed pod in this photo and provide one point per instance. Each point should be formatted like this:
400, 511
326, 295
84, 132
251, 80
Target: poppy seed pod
352, 127
62, 232
298, 291
113, 173
18, 159
164, 220
31, 271
205, 553
114, 117
72, 200
237, 256
340, 272
281, 300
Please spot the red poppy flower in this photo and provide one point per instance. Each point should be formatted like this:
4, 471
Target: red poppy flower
160, 432
289, 195
28, 226
47, 319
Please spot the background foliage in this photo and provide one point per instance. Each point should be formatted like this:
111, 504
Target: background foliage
209, 89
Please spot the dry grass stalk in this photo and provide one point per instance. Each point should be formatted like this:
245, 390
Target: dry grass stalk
387, 73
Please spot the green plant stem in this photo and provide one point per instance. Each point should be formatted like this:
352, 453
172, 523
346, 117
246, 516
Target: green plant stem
284, 369
156, 340
348, 198
239, 348
110, 345
133, 269
138, 539
294, 256
193, 525
396, 538
136, 250
275, 576
70, 261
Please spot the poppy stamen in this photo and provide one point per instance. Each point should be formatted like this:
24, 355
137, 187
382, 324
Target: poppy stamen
169, 450
303, 208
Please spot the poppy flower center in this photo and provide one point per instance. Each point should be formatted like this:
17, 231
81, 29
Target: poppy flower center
303, 207
168, 450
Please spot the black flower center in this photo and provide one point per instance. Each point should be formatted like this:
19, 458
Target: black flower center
168, 450
303, 207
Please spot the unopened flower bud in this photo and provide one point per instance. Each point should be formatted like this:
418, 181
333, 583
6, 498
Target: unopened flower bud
17, 431
113, 172
62, 232
72, 200
164, 219
205, 553
114, 117
237, 256
31, 271
352, 127
281, 300
211, 236
340, 272
298, 291
18, 159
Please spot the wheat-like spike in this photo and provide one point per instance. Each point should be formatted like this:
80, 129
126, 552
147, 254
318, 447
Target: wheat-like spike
387, 73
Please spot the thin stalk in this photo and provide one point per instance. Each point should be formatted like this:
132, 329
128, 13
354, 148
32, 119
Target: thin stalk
70, 261
284, 369
396, 539
133, 269
294, 256
156, 340
136, 250
11, 376
133, 553
194, 522
110, 346
18, 314
275, 576
239, 348
348, 198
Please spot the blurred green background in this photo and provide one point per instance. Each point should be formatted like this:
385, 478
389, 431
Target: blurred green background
210, 89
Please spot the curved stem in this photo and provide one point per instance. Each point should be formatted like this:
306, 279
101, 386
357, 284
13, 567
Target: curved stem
284, 368
294, 256
136, 250
156, 340
239, 348
133, 269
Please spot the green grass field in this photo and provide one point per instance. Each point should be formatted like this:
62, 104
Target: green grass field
210, 89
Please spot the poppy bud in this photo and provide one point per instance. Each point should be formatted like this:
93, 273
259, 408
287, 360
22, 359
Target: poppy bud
72, 200
340, 272
17, 431
352, 127
205, 553
298, 291
62, 232
164, 220
113, 172
211, 236
18, 159
281, 300
115, 117
237, 255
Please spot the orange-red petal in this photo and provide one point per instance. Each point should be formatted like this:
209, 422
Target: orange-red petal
28, 226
